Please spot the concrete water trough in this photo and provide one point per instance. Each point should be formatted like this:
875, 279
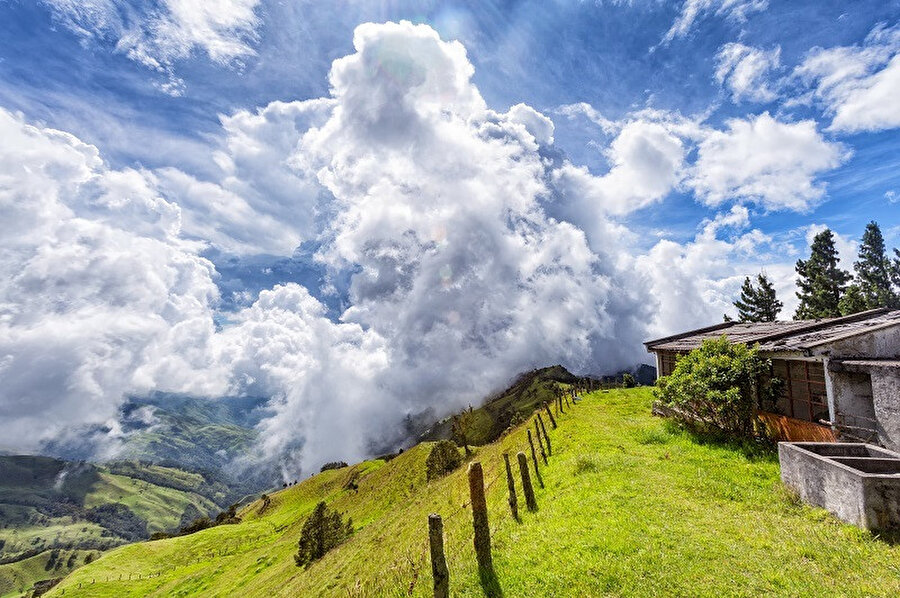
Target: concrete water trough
859, 483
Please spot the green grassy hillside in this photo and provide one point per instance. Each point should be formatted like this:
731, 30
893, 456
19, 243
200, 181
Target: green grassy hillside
632, 507
49, 505
528, 391
17, 578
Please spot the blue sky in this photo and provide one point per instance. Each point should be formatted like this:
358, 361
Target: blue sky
545, 54
348, 205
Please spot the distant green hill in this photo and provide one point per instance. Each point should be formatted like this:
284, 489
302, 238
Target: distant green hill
181, 431
527, 392
51, 509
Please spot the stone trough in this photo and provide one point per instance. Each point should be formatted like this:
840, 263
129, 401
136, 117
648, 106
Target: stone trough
858, 483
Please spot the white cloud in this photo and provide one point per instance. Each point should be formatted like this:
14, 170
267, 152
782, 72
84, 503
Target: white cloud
692, 10
95, 281
695, 283
434, 205
584, 109
764, 160
161, 34
858, 85
746, 72
646, 163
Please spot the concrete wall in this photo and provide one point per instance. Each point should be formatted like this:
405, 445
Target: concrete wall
851, 397
886, 398
884, 343
869, 500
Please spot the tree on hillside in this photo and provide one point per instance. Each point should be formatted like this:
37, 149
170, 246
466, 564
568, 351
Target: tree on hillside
820, 280
758, 303
322, 531
874, 270
462, 430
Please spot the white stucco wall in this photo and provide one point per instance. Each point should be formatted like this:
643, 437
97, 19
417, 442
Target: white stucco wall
886, 394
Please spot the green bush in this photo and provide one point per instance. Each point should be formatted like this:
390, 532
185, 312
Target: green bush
628, 380
333, 465
443, 458
716, 385
323, 530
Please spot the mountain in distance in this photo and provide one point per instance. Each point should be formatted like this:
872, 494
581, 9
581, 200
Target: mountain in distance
56, 515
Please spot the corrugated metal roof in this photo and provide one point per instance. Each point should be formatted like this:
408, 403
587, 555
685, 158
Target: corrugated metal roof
794, 335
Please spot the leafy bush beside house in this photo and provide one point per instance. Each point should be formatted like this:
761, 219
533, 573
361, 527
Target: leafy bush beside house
721, 385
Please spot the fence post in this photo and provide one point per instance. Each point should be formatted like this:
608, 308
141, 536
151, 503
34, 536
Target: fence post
439, 570
526, 482
510, 484
480, 520
546, 436
550, 415
537, 472
537, 431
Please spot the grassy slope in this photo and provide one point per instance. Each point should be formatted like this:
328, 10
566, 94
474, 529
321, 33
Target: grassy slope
29, 492
632, 507
17, 578
159, 506
529, 391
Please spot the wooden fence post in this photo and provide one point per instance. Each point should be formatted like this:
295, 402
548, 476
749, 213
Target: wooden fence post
546, 436
550, 415
537, 431
537, 472
526, 482
480, 519
439, 570
510, 484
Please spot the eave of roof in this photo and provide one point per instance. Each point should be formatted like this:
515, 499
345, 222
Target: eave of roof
776, 336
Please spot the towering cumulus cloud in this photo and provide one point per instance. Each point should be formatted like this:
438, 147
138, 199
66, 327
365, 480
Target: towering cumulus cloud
432, 202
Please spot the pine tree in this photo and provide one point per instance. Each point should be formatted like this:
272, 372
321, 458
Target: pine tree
853, 301
758, 303
820, 280
874, 270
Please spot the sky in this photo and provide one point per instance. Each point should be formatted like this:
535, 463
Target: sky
368, 211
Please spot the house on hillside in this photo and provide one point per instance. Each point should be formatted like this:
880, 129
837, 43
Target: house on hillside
841, 375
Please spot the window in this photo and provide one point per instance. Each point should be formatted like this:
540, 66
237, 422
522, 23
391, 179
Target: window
804, 395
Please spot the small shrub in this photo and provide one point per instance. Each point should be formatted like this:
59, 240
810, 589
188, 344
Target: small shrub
333, 465
323, 530
585, 464
628, 380
443, 458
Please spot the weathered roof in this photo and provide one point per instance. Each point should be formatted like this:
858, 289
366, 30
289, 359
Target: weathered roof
796, 335
864, 364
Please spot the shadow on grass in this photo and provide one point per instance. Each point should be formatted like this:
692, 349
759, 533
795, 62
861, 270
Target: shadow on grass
754, 449
489, 582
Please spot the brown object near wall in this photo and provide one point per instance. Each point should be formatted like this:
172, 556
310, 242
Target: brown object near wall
789, 429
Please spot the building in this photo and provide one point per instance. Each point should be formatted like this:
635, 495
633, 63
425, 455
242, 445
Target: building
841, 375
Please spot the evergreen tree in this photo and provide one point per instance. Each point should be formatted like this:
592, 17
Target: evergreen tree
322, 531
758, 303
853, 301
874, 270
895, 270
820, 280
